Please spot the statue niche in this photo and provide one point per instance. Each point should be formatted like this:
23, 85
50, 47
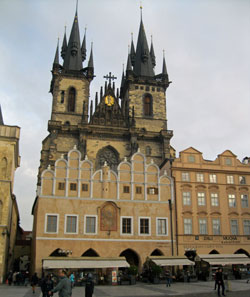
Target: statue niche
107, 154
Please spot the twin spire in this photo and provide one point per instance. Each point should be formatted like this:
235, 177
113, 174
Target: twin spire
73, 52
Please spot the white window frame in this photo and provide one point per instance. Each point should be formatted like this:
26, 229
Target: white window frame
203, 197
236, 220
244, 200
186, 198
65, 223
205, 220
139, 226
200, 177
212, 198
46, 221
132, 225
161, 218
212, 178
218, 220
191, 220
185, 176
85, 224
231, 196
230, 179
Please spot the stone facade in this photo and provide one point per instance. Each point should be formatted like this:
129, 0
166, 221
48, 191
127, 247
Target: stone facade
212, 203
119, 203
9, 216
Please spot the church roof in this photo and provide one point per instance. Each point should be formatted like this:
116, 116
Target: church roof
73, 55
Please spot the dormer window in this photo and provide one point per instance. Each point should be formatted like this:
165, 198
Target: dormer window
148, 105
71, 100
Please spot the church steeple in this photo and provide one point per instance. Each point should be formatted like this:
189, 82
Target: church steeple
73, 56
83, 49
64, 45
152, 53
56, 59
132, 51
143, 64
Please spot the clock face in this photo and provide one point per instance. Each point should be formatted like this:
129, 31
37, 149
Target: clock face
109, 100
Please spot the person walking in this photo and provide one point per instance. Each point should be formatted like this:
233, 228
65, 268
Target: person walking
34, 282
49, 285
220, 282
89, 287
10, 277
64, 286
215, 279
72, 279
168, 278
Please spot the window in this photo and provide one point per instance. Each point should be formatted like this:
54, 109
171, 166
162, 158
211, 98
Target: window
147, 105
161, 226
230, 179
201, 199
136, 87
71, 224
214, 199
246, 227
125, 189
62, 96
148, 150
242, 180
153, 89
152, 191
72, 100
187, 226
138, 190
191, 158
186, 197
127, 225
144, 226
185, 176
228, 161
61, 186
85, 187
90, 224
216, 226
72, 186
234, 227
203, 226
51, 223
212, 178
244, 200
231, 200
200, 177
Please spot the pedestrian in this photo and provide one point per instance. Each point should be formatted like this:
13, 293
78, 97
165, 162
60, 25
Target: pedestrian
34, 282
168, 278
220, 282
215, 279
64, 285
72, 279
49, 285
89, 286
10, 278
43, 286
188, 276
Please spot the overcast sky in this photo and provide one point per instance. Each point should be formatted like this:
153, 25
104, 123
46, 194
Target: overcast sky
207, 46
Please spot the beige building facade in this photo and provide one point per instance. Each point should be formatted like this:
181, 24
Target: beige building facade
111, 214
212, 204
9, 215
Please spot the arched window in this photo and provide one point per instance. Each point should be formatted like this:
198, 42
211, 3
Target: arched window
108, 154
72, 100
148, 105
3, 168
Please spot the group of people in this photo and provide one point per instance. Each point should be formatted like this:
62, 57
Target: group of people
18, 278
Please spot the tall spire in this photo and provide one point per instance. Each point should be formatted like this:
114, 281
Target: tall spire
164, 67
56, 59
64, 45
73, 56
132, 51
1, 117
129, 64
91, 60
143, 64
83, 49
152, 53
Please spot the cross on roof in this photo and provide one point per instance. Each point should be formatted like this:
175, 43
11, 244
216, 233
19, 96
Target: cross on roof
109, 77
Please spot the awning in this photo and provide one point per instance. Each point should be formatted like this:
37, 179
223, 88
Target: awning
83, 262
225, 259
170, 261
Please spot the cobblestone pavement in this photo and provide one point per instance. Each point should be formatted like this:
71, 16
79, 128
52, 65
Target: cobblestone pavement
199, 289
